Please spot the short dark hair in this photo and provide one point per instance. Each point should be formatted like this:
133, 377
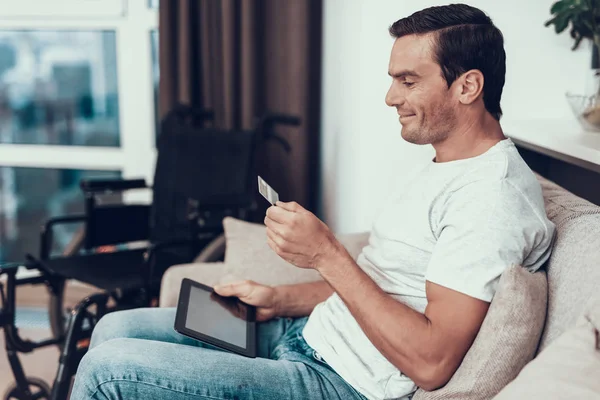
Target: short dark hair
465, 39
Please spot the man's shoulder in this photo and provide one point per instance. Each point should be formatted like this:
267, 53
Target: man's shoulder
503, 175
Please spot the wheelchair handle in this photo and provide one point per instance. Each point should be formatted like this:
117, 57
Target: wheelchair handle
111, 185
266, 123
280, 118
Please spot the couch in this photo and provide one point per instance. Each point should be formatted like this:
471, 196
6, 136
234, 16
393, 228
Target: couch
573, 310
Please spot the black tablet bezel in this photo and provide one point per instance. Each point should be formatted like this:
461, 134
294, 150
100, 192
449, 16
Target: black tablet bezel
181, 316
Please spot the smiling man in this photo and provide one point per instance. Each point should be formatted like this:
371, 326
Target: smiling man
406, 312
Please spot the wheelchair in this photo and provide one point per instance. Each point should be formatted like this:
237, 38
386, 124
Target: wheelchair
202, 175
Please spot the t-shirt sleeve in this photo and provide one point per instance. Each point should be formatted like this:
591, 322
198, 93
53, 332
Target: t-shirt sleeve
483, 228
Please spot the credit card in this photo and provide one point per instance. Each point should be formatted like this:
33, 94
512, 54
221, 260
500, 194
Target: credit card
267, 191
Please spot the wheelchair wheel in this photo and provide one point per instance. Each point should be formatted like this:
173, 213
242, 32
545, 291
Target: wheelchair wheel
39, 390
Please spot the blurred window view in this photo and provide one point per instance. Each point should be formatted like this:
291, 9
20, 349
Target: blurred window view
155, 77
59, 88
29, 196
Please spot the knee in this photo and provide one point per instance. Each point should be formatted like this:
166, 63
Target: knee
89, 374
116, 325
98, 366
90, 366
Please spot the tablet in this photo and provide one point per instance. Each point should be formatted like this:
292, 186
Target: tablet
224, 322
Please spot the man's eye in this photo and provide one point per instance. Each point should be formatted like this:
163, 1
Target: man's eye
408, 84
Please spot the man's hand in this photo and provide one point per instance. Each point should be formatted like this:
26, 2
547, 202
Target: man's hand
263, 297
232, 304
299, 237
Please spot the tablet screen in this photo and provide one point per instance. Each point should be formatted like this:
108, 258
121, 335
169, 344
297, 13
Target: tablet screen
211, 315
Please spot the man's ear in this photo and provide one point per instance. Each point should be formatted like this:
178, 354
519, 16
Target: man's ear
471, 86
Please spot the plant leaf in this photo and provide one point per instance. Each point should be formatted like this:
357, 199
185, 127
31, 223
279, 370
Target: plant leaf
577, 42
550, 21
559, 6
561, 23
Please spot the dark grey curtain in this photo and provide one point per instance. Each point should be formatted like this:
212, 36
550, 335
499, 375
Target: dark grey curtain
241, 58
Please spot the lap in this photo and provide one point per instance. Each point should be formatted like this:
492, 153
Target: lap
137, 354
156, 324
140, 368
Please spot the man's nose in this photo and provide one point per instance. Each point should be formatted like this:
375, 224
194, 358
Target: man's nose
393, 98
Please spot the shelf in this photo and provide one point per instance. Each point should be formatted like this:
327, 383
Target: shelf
561, 139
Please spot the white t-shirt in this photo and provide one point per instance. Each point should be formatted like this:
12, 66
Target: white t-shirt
458, 224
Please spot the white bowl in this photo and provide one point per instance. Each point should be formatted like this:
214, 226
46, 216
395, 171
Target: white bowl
586, 109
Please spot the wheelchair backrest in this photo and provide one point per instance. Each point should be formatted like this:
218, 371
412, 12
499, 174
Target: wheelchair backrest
114, 224
196, 165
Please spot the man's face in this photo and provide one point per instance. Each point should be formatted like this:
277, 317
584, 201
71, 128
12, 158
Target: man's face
419, 91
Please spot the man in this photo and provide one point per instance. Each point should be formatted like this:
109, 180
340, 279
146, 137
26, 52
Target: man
406, 312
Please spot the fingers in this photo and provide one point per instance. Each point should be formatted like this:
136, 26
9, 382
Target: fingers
290, 206
281, 220
281, 251
278, 227
234, 306
278, 214
238, 289
283, 212
281, 245
272, 244
277, 232
287, 213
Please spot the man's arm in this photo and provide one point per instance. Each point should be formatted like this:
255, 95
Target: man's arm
280, 301
428, 347
299, 300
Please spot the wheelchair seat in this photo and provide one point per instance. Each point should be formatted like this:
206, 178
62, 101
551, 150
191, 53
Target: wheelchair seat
107, 271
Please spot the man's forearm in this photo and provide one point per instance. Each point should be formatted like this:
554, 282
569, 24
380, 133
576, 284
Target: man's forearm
300, 299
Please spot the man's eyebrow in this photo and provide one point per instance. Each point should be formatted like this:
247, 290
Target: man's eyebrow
404, 74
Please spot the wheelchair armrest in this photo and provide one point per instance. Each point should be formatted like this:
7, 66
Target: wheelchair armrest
112, 185
221, 203
47, 231
168, 244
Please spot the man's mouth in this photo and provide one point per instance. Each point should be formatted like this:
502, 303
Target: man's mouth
403, 116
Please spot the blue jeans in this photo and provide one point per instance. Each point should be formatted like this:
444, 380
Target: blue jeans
137, 354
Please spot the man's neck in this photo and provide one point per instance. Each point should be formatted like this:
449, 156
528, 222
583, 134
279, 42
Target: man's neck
471, 139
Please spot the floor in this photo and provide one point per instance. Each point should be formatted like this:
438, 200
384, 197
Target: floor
32, 320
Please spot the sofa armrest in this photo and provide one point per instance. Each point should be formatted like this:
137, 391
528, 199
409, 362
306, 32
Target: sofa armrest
274, 272
207, 273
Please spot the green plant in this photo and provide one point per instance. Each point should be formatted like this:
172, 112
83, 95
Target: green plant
583, 16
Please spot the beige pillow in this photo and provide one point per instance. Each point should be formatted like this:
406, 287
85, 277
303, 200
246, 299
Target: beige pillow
569, 368
248, 256
506, 342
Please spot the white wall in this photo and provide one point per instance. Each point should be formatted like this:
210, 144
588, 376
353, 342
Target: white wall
363, 155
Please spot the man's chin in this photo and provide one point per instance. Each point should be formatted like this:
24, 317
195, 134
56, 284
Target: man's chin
411, 136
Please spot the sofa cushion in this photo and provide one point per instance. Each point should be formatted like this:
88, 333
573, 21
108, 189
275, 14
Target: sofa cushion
248, 256
569, 368
208, 273
574, 266
506, 342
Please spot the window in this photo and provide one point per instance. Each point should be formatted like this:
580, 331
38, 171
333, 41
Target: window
155, 77
59, 87
93, 9
78, 82
29, 196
